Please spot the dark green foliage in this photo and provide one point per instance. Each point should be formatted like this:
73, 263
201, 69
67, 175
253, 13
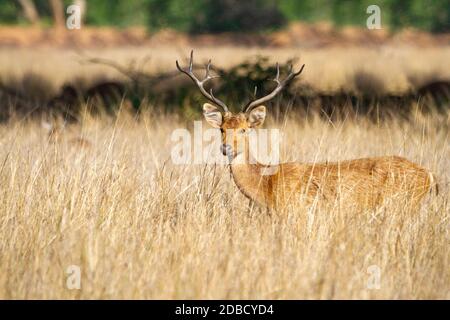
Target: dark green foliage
236, 15
173, 13
199, 16
430, 15
116, 13
214, 15
424, 14
9, 12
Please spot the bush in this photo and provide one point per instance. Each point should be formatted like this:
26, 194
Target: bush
237, 15
215, 16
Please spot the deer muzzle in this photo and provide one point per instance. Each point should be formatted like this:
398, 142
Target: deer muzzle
226, 150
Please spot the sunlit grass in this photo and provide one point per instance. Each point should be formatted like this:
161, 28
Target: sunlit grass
140, 227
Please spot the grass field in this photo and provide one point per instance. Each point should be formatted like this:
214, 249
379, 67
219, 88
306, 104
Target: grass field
138, 226
382, 69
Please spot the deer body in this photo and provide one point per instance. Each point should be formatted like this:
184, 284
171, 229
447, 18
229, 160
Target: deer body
58, 133
364, 183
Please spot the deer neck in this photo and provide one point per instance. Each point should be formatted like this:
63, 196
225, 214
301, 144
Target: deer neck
252, 178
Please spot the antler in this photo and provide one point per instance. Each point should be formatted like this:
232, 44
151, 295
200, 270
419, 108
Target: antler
280, 85
200, 84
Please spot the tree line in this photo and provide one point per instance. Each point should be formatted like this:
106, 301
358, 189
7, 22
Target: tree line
210, 16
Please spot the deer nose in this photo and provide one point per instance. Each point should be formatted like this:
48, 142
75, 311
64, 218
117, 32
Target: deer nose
226, 150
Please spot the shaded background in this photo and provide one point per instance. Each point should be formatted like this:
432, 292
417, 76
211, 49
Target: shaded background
124, 55
200, 16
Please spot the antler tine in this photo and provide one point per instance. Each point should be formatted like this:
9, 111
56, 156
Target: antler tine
300, 71
190, 74
191, 61
207, 75
212, 95
280, 86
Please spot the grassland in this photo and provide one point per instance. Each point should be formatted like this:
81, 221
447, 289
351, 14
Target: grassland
140, 227
382, 69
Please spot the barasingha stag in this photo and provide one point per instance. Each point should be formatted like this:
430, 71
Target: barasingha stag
365, 183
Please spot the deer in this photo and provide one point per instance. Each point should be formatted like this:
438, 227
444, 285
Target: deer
366, 182
58, 133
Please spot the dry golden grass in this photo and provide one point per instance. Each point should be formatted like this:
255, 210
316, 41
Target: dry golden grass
397, 69
141, 227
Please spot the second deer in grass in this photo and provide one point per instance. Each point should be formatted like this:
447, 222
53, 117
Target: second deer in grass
365, 182
58, 133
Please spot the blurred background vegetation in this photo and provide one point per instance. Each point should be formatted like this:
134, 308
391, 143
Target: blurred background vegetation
212, 16
356, 79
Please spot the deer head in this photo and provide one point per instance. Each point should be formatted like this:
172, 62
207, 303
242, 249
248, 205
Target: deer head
234, 126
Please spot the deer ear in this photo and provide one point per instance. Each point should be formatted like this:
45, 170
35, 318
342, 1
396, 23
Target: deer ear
256, 116
212, 115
